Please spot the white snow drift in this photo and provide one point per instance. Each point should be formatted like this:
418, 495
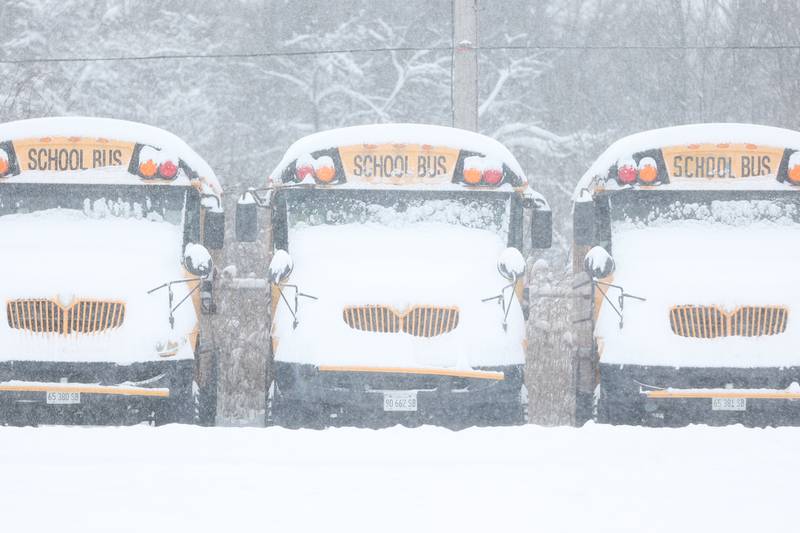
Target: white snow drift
593, 479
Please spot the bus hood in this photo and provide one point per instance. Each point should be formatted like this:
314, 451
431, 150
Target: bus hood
397, 274
56, 259
710, 265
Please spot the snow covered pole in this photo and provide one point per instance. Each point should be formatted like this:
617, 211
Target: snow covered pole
465, 64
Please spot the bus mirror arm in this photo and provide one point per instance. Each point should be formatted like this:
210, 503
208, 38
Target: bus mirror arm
262, 196
171, 294
597, 284
297, 296
501, 298
214, 197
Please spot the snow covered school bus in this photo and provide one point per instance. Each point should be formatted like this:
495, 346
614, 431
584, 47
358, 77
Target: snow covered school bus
105, 227
689, 235
397, 277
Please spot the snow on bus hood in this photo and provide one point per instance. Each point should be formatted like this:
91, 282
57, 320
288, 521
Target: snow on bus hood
423, 263
64, 255
693, 262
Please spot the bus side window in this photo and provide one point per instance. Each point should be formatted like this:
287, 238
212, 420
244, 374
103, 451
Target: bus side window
280, 229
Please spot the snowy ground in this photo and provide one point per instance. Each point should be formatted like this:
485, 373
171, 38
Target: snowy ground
598, 478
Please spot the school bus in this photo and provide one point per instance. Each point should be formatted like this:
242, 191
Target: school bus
688, 236
397, 277
105, 231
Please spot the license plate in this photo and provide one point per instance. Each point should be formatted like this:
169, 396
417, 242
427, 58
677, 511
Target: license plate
63, 398
729, 404
400, 401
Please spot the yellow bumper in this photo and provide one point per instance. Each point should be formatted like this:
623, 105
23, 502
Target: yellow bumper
475, 374
84, 389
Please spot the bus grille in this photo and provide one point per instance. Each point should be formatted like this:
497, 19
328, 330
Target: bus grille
420, 320
709, 322
47, 316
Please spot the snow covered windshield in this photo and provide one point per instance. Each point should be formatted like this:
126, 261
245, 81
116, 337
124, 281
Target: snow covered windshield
158, 204
659, 208
401, 209
714, 253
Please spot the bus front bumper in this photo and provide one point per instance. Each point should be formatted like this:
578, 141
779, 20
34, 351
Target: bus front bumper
319, 396
667, 396
33, 393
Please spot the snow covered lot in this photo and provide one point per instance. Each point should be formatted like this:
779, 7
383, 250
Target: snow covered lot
597, 478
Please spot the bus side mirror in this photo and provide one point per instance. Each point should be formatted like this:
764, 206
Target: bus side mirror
511, 264
280, 267
541, 227
246, 218
197, 260
214, 229
583, 221
598, 263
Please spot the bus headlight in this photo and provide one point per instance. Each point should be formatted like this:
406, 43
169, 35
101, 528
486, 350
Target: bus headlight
170, 347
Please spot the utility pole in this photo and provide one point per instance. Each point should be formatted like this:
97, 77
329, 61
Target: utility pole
465, 64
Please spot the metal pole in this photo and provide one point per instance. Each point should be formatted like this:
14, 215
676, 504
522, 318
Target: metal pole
465, 64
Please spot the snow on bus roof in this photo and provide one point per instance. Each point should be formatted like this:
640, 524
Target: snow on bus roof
688, 134
120, 130
400, 133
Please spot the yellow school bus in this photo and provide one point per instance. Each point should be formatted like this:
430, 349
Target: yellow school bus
688, 235
105, 231
397, 277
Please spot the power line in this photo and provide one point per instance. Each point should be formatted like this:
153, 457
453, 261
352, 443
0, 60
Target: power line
242, 55
301, 53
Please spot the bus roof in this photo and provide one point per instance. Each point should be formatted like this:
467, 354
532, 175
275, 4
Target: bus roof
111, 129
422, 134
688, 135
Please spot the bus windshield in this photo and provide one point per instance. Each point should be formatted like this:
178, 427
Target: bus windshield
658, 208
399, 209
161, 204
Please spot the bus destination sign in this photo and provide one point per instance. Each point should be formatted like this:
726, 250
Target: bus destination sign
398, 164
61, 154
712, 161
